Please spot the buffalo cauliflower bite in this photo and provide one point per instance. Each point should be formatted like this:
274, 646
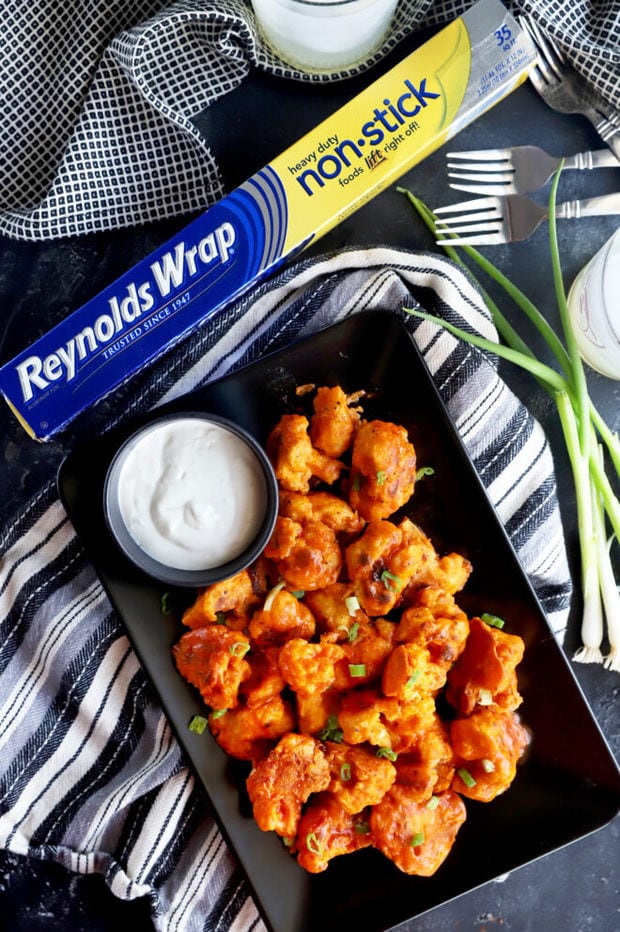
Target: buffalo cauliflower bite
250, 733
295, 460
427, 766
309, 667
435, 621
307, 556
485, 673
334, 611
364, 655
368, 561
285, 618
383, 469
213, 660
335, 420
265, 680
415, 836
327, 830
487, 748
284, 780
315, 710
239, 595
359, 777
410, 671
361, 717
325, 507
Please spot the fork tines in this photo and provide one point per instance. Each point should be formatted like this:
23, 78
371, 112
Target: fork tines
481, 215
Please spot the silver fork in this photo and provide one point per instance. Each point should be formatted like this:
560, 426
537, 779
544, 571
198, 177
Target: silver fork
566, 91
517, 170
489, 221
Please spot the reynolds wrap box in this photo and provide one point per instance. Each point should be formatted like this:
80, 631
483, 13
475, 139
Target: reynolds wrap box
304, 192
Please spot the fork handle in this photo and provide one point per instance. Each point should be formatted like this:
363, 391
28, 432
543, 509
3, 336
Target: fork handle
607, 130
600, 158
590, 207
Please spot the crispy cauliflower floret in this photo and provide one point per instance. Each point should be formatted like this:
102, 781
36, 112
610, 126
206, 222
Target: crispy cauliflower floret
309, 667
287, 617
485, 673
487, 748
307, 556
295, 460
335, 420
359, 777
213, 660
284, 780
326, 831
383, 469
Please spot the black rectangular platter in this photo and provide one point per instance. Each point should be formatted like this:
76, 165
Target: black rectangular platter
569, 785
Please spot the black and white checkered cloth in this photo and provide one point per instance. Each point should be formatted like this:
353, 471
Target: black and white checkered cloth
98, 100
90, 773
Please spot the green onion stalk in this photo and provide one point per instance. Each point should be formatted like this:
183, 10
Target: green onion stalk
586, 435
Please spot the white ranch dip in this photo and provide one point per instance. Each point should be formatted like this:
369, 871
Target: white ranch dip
191, 494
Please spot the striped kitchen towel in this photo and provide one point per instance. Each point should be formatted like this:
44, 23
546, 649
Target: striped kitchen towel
91, 775
99, 130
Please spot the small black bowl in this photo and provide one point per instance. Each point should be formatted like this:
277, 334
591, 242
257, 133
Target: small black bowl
189, 577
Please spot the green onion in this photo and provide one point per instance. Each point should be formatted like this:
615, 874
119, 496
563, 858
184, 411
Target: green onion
381, 477
198, 723
466, 777
352, 632
357, 669
332, 730
432, 803
352, 604
298, 593
391, 582
417, 839
413, 679
239, 648
362, 828
218, 713
487, 765
272, 594
493, 620
313, 844
345, 772
357, 479
485, 697
582, 426
288, 842
388, 753
166, 603
424, 471
220, 618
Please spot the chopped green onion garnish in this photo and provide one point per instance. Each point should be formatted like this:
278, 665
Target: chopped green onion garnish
288, 842
381, 477
362, 828
424, 471
220, 618
485, 697
492, 620
239, 648
352, 632
217, 713
487, 765
466, 777
413, 679
391, 582
417, 839
298, 593
166, 604
387, 752
272, 594
356, 482
345, 772
313, 844
357, 669
332, 730
352, 604
198, 723
432, 803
